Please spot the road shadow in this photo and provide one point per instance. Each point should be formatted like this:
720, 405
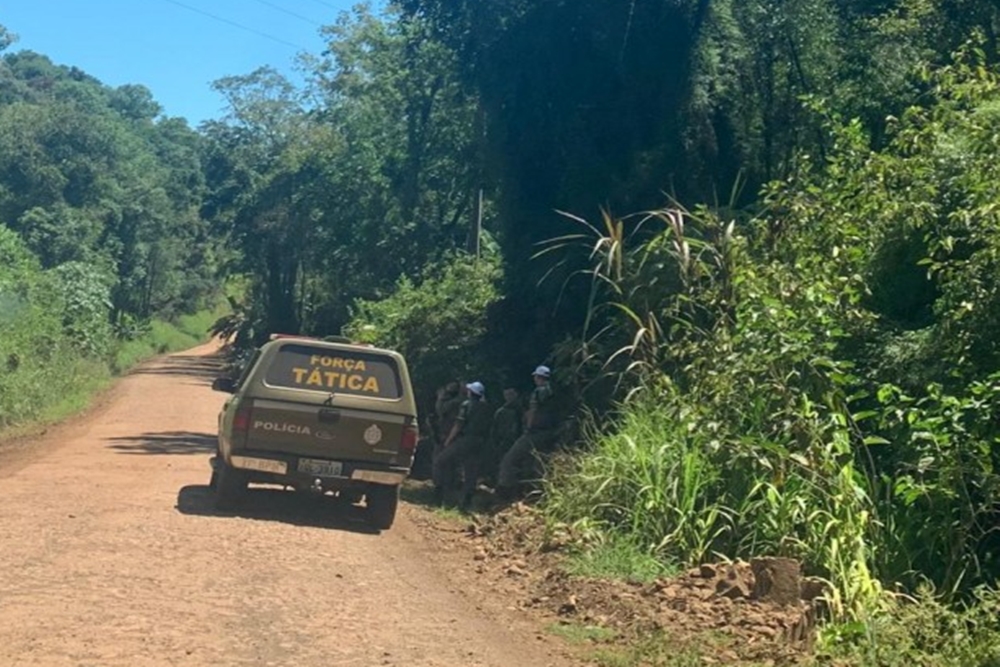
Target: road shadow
421, 494
418, 492
167, 442
205, 369
269, 504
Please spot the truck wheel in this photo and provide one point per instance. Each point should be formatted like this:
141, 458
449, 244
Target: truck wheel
230, 484
382, 503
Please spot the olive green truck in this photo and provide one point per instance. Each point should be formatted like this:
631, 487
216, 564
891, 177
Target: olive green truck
321, 416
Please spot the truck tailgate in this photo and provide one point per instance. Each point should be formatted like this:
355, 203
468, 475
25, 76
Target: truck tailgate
325, 432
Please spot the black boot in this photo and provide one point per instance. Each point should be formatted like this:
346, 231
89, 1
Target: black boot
505, 494
465, 503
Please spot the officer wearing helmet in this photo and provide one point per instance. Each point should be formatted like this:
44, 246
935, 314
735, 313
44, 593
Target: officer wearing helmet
540, 430
464, 445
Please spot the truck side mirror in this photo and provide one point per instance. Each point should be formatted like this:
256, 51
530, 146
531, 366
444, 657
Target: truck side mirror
224, 384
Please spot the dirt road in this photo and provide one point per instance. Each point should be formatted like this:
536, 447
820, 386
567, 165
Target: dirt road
111, 554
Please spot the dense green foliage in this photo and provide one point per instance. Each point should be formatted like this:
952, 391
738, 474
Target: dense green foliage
38, 344
100, 230
920, 631
439, 323
788, 401
56, 341
598, 103
335, 204
88, 174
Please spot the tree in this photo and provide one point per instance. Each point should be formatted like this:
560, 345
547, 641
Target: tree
406, 179
6, 38
259, 156
334, 203
90, 174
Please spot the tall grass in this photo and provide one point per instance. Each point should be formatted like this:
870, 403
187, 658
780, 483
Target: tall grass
737, 436
919, 631
47, 378
661, 479
745, 427
645, 478
49, 390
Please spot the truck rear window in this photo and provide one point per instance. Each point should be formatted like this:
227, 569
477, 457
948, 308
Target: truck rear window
334, 371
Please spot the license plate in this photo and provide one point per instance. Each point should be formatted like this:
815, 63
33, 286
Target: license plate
321, 468
263, 465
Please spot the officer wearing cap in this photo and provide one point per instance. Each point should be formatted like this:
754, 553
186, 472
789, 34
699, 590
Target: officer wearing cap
540, 429
464, 445
508, 422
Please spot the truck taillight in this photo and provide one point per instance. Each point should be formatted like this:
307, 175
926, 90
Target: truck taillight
409, 442
241, 422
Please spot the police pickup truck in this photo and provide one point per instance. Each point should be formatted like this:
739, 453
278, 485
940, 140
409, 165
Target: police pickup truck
318, 415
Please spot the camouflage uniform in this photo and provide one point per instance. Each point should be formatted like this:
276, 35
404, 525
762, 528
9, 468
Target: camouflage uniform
538, 434
466, 449
506, 430
446, 408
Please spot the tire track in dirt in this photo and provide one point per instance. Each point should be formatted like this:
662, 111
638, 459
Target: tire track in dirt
112, 554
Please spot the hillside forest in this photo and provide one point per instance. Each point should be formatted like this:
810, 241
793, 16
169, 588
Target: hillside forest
757, 240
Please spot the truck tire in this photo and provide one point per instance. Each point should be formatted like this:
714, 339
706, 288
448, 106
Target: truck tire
230, 485
382, 503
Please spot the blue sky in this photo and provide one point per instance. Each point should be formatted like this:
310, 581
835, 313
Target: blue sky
169, 47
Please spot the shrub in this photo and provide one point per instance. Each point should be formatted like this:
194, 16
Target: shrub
56, 341
437, 322
85, 295
919, 632
41, 361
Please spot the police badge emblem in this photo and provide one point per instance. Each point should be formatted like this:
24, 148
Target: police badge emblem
373, 435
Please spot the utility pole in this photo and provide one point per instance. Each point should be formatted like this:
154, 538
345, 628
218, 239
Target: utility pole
479, 224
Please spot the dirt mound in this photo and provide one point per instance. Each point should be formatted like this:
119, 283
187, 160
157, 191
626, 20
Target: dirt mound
762, 611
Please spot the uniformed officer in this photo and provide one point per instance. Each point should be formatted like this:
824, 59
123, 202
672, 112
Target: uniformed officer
540, 430
449, 400
464, 445
507, 425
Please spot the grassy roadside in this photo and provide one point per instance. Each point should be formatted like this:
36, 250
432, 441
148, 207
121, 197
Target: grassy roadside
85, 380
163, 338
